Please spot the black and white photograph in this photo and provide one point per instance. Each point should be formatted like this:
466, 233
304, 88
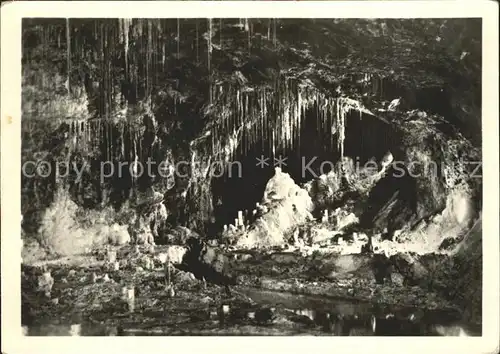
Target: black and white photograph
251, 176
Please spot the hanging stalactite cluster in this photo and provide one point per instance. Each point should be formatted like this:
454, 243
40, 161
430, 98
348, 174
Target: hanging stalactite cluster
248, 117
126, 59
127, 62
112, 141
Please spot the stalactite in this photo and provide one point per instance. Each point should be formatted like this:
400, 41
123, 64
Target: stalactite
68, 54
293, 121
245, 119
136, 147
110, 51
273, 143
101, 142
249, 36
121, 30
261, 117
237, 108
106, 139
126, 23
274, 32
155, 36
149, 51
122, 142
72, 136
266, 121
209, 56
242, 117
251, 121
257, 120
331, 127
286, 113
109, 86
212, 139
178, 37
342, 132
112, 140
220, 33
109, 141
248, 120
87, 133
301, 107
135, 163
99, 136
141, 148
197, 43
163, 53
101, 64
131, 151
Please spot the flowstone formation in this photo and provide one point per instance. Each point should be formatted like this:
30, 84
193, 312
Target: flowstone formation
266, 153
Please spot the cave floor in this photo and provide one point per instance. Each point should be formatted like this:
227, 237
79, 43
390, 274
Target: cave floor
277, 293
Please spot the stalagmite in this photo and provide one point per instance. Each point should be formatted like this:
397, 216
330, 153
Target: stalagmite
324, 219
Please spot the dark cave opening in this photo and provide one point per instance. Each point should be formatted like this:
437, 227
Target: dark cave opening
313, 154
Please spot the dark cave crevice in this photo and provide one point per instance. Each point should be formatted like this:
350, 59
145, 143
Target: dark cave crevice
366, 137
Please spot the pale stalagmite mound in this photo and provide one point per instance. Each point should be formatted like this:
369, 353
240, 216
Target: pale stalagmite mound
287, 205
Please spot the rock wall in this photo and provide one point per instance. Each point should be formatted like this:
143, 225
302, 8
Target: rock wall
175, 90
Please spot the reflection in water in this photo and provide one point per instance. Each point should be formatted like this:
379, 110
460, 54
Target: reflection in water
329, 324
348, 318
311, 315
74, 330
371, 325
